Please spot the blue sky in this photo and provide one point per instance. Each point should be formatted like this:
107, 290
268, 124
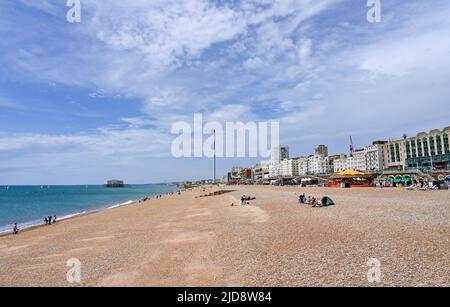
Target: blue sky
90, 101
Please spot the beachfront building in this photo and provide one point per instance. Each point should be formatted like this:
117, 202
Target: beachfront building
261, 171
274, 170
293, 167
370, 159
303, 166
278, 154
318, 165
247, 174
428, 150
375, 157
286, 168
335, 162
235, 175
357, 161
340, 164
395, 155
321, 150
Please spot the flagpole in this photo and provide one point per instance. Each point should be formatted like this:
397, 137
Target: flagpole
214, 131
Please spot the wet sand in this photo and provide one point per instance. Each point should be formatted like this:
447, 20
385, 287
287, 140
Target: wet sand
185, 240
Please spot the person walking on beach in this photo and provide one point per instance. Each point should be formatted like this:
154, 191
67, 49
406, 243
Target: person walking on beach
15, 229
46, 221
54, 219
242, 200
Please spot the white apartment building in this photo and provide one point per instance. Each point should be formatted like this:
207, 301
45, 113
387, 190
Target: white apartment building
274, 170
375, 157
303, 166
318, 165
358, 161
292, 167
278, 154
369, 159
340, 165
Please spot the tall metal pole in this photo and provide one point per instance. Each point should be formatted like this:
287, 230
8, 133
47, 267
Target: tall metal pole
214, 155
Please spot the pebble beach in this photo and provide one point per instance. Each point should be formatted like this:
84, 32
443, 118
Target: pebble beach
188, 240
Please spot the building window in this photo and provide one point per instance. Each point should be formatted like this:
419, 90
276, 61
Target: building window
439, 144
419, 147
392, 148
432, 147
425, 147
446, 145
397, 152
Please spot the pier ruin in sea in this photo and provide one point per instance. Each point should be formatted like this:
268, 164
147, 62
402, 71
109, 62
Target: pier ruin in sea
115, 184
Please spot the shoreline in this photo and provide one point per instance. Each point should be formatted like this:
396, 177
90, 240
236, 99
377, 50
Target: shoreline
66, 218
32, 225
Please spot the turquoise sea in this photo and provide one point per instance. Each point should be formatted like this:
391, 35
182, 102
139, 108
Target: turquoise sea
28, 205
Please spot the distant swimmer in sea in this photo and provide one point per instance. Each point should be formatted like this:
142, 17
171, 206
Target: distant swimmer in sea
15, 229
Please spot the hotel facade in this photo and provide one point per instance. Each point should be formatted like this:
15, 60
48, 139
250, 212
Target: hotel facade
428, 150
424, 151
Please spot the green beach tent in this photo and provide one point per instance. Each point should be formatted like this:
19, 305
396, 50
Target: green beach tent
326, 201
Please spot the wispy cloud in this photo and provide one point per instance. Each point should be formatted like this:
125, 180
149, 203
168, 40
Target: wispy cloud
7, 103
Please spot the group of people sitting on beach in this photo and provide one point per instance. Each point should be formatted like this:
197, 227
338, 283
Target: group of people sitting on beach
245, 200
422, 186
167, 194
50, 220
314, 202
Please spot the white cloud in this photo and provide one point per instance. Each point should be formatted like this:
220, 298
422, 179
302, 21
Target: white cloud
402, 56
253, 63
231, 113
305, 51
104, 142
